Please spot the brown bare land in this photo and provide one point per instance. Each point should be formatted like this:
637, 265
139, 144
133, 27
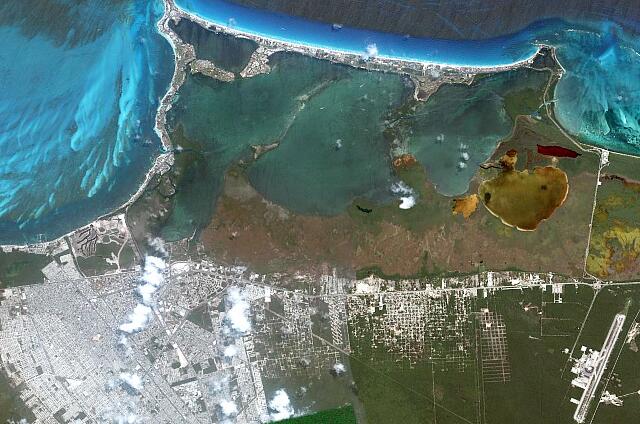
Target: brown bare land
426, 239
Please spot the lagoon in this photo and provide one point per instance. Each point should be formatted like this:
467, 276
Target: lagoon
81, 84
598, 99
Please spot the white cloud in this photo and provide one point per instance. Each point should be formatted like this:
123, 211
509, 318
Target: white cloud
371, 51
153, 267
152, 277
230, 351
132, 380
238, 314
339, 368
465, 156
219, 384
124, 411
407, 202
401, 188
137, 320
146, 291
158, 244
406, 194
229, 408
363, 287
126, 419
180, 267
280, 406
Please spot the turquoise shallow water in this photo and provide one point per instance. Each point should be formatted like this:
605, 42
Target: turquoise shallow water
598, 99
80, 90
81, 83
494, 52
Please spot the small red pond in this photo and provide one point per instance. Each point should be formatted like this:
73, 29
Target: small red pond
557, 151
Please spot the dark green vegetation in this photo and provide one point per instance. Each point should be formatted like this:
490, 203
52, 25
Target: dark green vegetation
18, 268
201, 317
519, 375
96, 265
102, 247
393, 394
343, 415
420, 376
538, 330
540, 388
148, 216
12, 408
624, 381
107, 258
227, 52
621, 376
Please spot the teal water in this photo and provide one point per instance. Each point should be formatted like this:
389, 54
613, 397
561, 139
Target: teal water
220, 121
80, 85
597, 100
459, 127
335, 150
227, 52
327, 118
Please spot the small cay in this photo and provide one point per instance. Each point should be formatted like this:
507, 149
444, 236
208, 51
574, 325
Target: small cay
524, 199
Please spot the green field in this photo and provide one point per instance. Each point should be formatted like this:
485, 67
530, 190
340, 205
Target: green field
17, 268
541, 330
343, 415
12, 408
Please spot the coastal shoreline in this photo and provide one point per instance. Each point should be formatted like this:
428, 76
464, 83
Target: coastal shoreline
353, 58
430, 74
184, 54
164, 160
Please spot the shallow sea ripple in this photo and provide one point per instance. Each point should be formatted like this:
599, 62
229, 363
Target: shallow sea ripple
80, 85
598, 99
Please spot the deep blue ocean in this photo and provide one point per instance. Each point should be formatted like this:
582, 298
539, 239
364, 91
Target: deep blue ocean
494, 52
81, 82
598, 99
